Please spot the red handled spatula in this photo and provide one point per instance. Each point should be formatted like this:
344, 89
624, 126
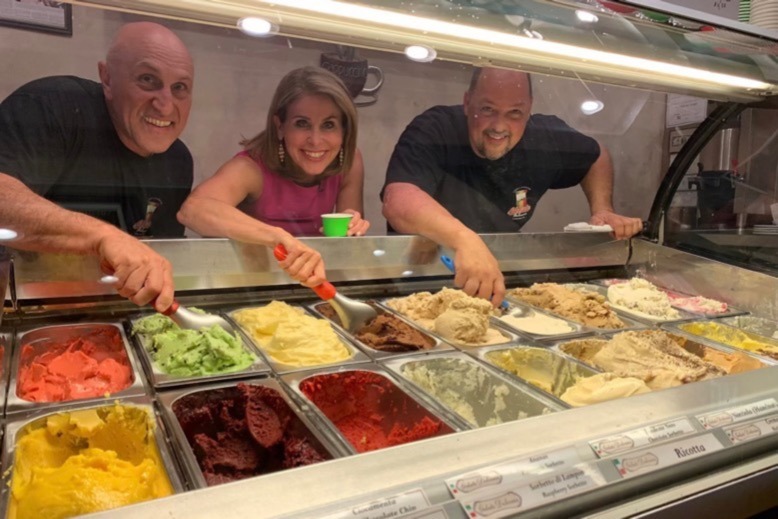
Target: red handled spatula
353, 314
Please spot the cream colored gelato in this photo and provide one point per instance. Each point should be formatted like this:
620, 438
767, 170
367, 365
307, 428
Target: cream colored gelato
733, 337
601, 388
643, 298
583, 307
469, 390
290, 336
452, 314
651, 355
537, 323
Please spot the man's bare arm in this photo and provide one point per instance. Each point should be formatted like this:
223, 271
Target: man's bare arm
410, 210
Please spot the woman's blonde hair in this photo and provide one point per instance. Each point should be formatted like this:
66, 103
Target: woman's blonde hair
296, 84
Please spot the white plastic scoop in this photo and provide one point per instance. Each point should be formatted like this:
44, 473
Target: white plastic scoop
353, 314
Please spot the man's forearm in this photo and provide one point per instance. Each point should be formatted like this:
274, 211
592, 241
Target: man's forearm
410, 210
44, 226
597, 185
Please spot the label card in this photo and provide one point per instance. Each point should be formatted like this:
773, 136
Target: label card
738, 414
661, 456
641, 437
751, 431
399, 505
509, 474
534, 493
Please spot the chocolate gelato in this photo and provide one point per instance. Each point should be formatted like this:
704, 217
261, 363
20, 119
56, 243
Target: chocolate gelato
244, 431
386, 332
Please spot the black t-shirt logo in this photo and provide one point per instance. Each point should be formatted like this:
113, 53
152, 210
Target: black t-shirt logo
522, 207
141, 227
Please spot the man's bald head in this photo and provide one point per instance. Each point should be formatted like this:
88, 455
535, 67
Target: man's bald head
497, 106
147, 80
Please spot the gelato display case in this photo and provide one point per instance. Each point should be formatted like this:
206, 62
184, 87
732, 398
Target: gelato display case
623, 378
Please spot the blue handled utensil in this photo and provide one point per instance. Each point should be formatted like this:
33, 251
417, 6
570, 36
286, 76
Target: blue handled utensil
449, 263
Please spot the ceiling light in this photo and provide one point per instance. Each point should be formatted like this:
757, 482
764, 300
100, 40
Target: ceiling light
378, 253
254, 26
586, 16
492, 42
407, 273
591, 107
8, 234
420, 53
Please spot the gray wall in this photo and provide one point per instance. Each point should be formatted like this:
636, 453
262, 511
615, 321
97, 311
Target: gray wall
236, 76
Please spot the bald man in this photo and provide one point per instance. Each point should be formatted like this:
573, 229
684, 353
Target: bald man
481, 167
83, 165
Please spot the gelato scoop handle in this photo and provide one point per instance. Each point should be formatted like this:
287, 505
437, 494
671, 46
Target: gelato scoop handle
449, 263
353, 314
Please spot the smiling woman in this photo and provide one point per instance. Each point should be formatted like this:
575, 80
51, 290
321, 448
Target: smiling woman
304, 164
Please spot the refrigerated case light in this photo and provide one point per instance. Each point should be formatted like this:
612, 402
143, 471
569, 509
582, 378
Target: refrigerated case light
420, 53
254, 26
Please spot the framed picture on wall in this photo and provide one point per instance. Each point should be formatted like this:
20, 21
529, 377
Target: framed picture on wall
37, 15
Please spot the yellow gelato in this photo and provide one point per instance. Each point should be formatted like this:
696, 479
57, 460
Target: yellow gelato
290, 336
86, 461
733, 337
540, 367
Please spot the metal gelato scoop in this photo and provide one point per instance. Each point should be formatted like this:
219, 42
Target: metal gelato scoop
353, 314
182, 316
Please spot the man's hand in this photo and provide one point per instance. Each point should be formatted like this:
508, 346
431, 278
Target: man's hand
302, 262
623, 226
143, 274
477, 271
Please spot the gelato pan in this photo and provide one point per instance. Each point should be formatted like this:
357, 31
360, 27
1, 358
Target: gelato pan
453, 315
587, 308
732, 337
72, 362
643, 299
698, 304
292, 338
601, 388
86, 460
732, 362
753, 324
369, 410
468, 389
176, 356
652, 356
386, 332
537, 324
543, 368
89, 362
241, 431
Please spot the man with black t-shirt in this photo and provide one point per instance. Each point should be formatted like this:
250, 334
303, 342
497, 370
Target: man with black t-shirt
481, 168
82, 162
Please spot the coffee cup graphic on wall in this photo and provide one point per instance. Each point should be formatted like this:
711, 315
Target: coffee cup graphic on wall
354, 72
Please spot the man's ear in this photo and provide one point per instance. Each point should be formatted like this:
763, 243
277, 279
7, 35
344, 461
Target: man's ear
466, 100
277, 123
105, 79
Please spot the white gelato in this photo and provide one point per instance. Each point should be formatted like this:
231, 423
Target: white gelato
537, 323
641, 297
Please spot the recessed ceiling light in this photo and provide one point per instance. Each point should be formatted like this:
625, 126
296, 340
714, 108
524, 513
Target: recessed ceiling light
592, 107
420, 53
379, 252
8, 234
586, 16
407, 273
254, 26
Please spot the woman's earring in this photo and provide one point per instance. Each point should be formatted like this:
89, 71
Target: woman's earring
281, 152
341, 155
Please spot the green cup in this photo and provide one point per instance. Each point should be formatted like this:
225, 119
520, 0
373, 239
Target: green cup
335, 224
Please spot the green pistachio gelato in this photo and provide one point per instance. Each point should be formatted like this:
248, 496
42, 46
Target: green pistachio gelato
208, 351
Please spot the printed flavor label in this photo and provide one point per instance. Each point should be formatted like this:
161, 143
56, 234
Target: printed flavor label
407, 504
534, 493
641, 437
738, 414
509, 474
666, 455
752, 431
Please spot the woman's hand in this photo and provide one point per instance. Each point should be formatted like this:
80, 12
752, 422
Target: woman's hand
302, 262
357, 226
